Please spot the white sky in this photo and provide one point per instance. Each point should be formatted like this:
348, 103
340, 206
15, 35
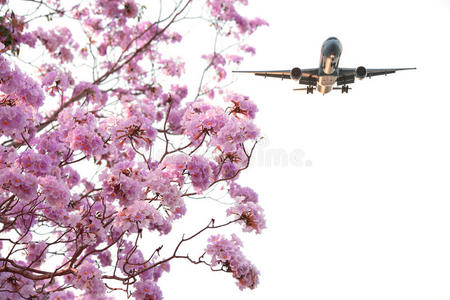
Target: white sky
369, 219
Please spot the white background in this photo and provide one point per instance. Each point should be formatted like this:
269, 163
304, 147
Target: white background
369, 219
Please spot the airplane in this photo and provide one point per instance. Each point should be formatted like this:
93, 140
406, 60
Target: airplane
328, 73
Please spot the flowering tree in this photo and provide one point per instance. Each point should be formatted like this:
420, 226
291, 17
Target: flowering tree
104, 143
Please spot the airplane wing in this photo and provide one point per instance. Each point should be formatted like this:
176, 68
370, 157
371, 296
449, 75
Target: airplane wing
347, 75
307, 74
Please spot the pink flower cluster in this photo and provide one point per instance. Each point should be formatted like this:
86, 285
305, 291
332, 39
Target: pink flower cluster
19, 86
145, 290
62, 295
139, 215
234, 133
227, 254
242, 105
123, 183
93, 93
174, 167
227, 132
55, 191
250, 214
20, 98
81, 131
247, 208
55, 80
8, 156
217, 61
113, 8
200, 171
131, 261
225, 10
136, 130
14, 284
36, 252
13, 31
37, 164
88, 278
159, 182
13, 120
23, 186
52, 144
200, 117
58, 42
242, 194
170, 67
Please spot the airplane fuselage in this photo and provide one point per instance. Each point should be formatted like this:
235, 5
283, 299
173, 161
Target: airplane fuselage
329, 61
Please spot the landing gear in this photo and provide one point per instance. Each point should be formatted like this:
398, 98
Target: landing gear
309, 89
344, 89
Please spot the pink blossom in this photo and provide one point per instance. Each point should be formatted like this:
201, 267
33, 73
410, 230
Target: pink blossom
36, 252
23, 186
217, 61
130, 9
12, 284
242, 105
235, 59
37, 164
200, 172
248, 49
52, 144
200, 117
140, 214
58, 42
176, 37
242, 194
8, 156
62, 295
55, 191
120, 184
49, 78
147, 290
105, 258
87, 140
234, 133
227, 254
19, 85
92, 91
12, 120
55, 80
175, 164
88, 278
71, 177
251, 216
109, 7
172, 68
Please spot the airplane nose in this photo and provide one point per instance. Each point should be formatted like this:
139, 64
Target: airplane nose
332, 48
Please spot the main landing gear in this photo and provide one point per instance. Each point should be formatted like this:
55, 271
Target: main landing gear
309, 89
344, 89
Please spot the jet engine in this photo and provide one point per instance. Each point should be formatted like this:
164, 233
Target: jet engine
361, 72
296, 74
